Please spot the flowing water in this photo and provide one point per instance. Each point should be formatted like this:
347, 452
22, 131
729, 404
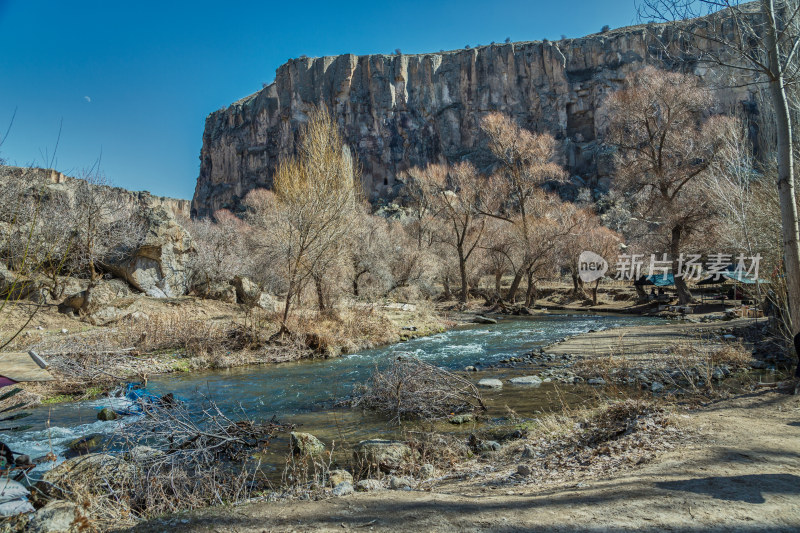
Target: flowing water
303, 392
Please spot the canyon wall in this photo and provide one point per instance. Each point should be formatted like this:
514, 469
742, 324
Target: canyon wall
400, 111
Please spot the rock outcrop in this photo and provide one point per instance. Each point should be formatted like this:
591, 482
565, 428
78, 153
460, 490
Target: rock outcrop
157, 266
400, 111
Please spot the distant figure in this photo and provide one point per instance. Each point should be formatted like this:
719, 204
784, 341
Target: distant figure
653, 293
661, 291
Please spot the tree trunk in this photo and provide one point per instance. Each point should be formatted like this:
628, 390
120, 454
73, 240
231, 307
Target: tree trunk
788, 201
498, 278
577, 286
462, 270
594, 292
320, 293
511, 296
530, 293
287, 303
684, 295
446, 283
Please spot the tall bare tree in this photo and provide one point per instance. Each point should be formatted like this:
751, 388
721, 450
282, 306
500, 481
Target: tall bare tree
455, 194
307, 219
525, 162
665, 150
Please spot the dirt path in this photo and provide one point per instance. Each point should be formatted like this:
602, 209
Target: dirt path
741, 473
641, 340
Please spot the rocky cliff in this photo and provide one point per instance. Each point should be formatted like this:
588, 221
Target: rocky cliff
404, 110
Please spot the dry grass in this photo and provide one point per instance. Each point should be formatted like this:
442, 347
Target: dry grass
342, 330
594, 442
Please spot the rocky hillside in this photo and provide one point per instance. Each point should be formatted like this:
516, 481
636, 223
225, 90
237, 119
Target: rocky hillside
398, 111
158, 264
179, 208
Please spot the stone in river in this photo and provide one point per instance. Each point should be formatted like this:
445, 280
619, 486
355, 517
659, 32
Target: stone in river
526, 380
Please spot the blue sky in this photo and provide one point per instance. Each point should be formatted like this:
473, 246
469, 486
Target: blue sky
134, 81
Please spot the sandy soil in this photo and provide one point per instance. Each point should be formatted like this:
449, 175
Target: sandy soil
643, 340
741, 472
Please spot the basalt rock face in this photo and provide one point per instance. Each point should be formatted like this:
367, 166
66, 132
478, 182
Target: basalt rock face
401, 111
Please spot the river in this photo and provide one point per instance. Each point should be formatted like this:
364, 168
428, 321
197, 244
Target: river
303, 392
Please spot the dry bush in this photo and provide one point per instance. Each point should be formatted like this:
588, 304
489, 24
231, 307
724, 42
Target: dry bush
175, 459
306, 474
614, 436
615, 420
413, 389
442, 450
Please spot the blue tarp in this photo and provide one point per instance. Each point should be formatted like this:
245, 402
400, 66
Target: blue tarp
660, 280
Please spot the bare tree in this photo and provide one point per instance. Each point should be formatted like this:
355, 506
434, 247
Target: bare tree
106, 226
665, 150
763, 38
220, 250
525, 162
455, 193
306, 220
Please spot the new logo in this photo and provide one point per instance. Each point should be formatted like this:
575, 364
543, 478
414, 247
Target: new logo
591, 266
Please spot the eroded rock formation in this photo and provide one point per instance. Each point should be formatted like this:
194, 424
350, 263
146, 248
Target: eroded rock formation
398, 111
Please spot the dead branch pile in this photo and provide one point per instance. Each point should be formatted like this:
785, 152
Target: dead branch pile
173, 458
413, 389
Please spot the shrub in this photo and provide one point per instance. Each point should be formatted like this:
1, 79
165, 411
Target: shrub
413, 389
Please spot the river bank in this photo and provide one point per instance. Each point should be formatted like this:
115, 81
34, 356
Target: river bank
735, 467
189, 334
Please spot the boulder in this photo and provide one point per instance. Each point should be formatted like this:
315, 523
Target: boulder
159, 266
250, 294
96, 300
335, 477
399, 483
490, 383
247, 292
343, 489
223, 292
385, 455
84, 445
480, 319
369, 485
106, 414
305, 443
268, 302
109, 315
55, 517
